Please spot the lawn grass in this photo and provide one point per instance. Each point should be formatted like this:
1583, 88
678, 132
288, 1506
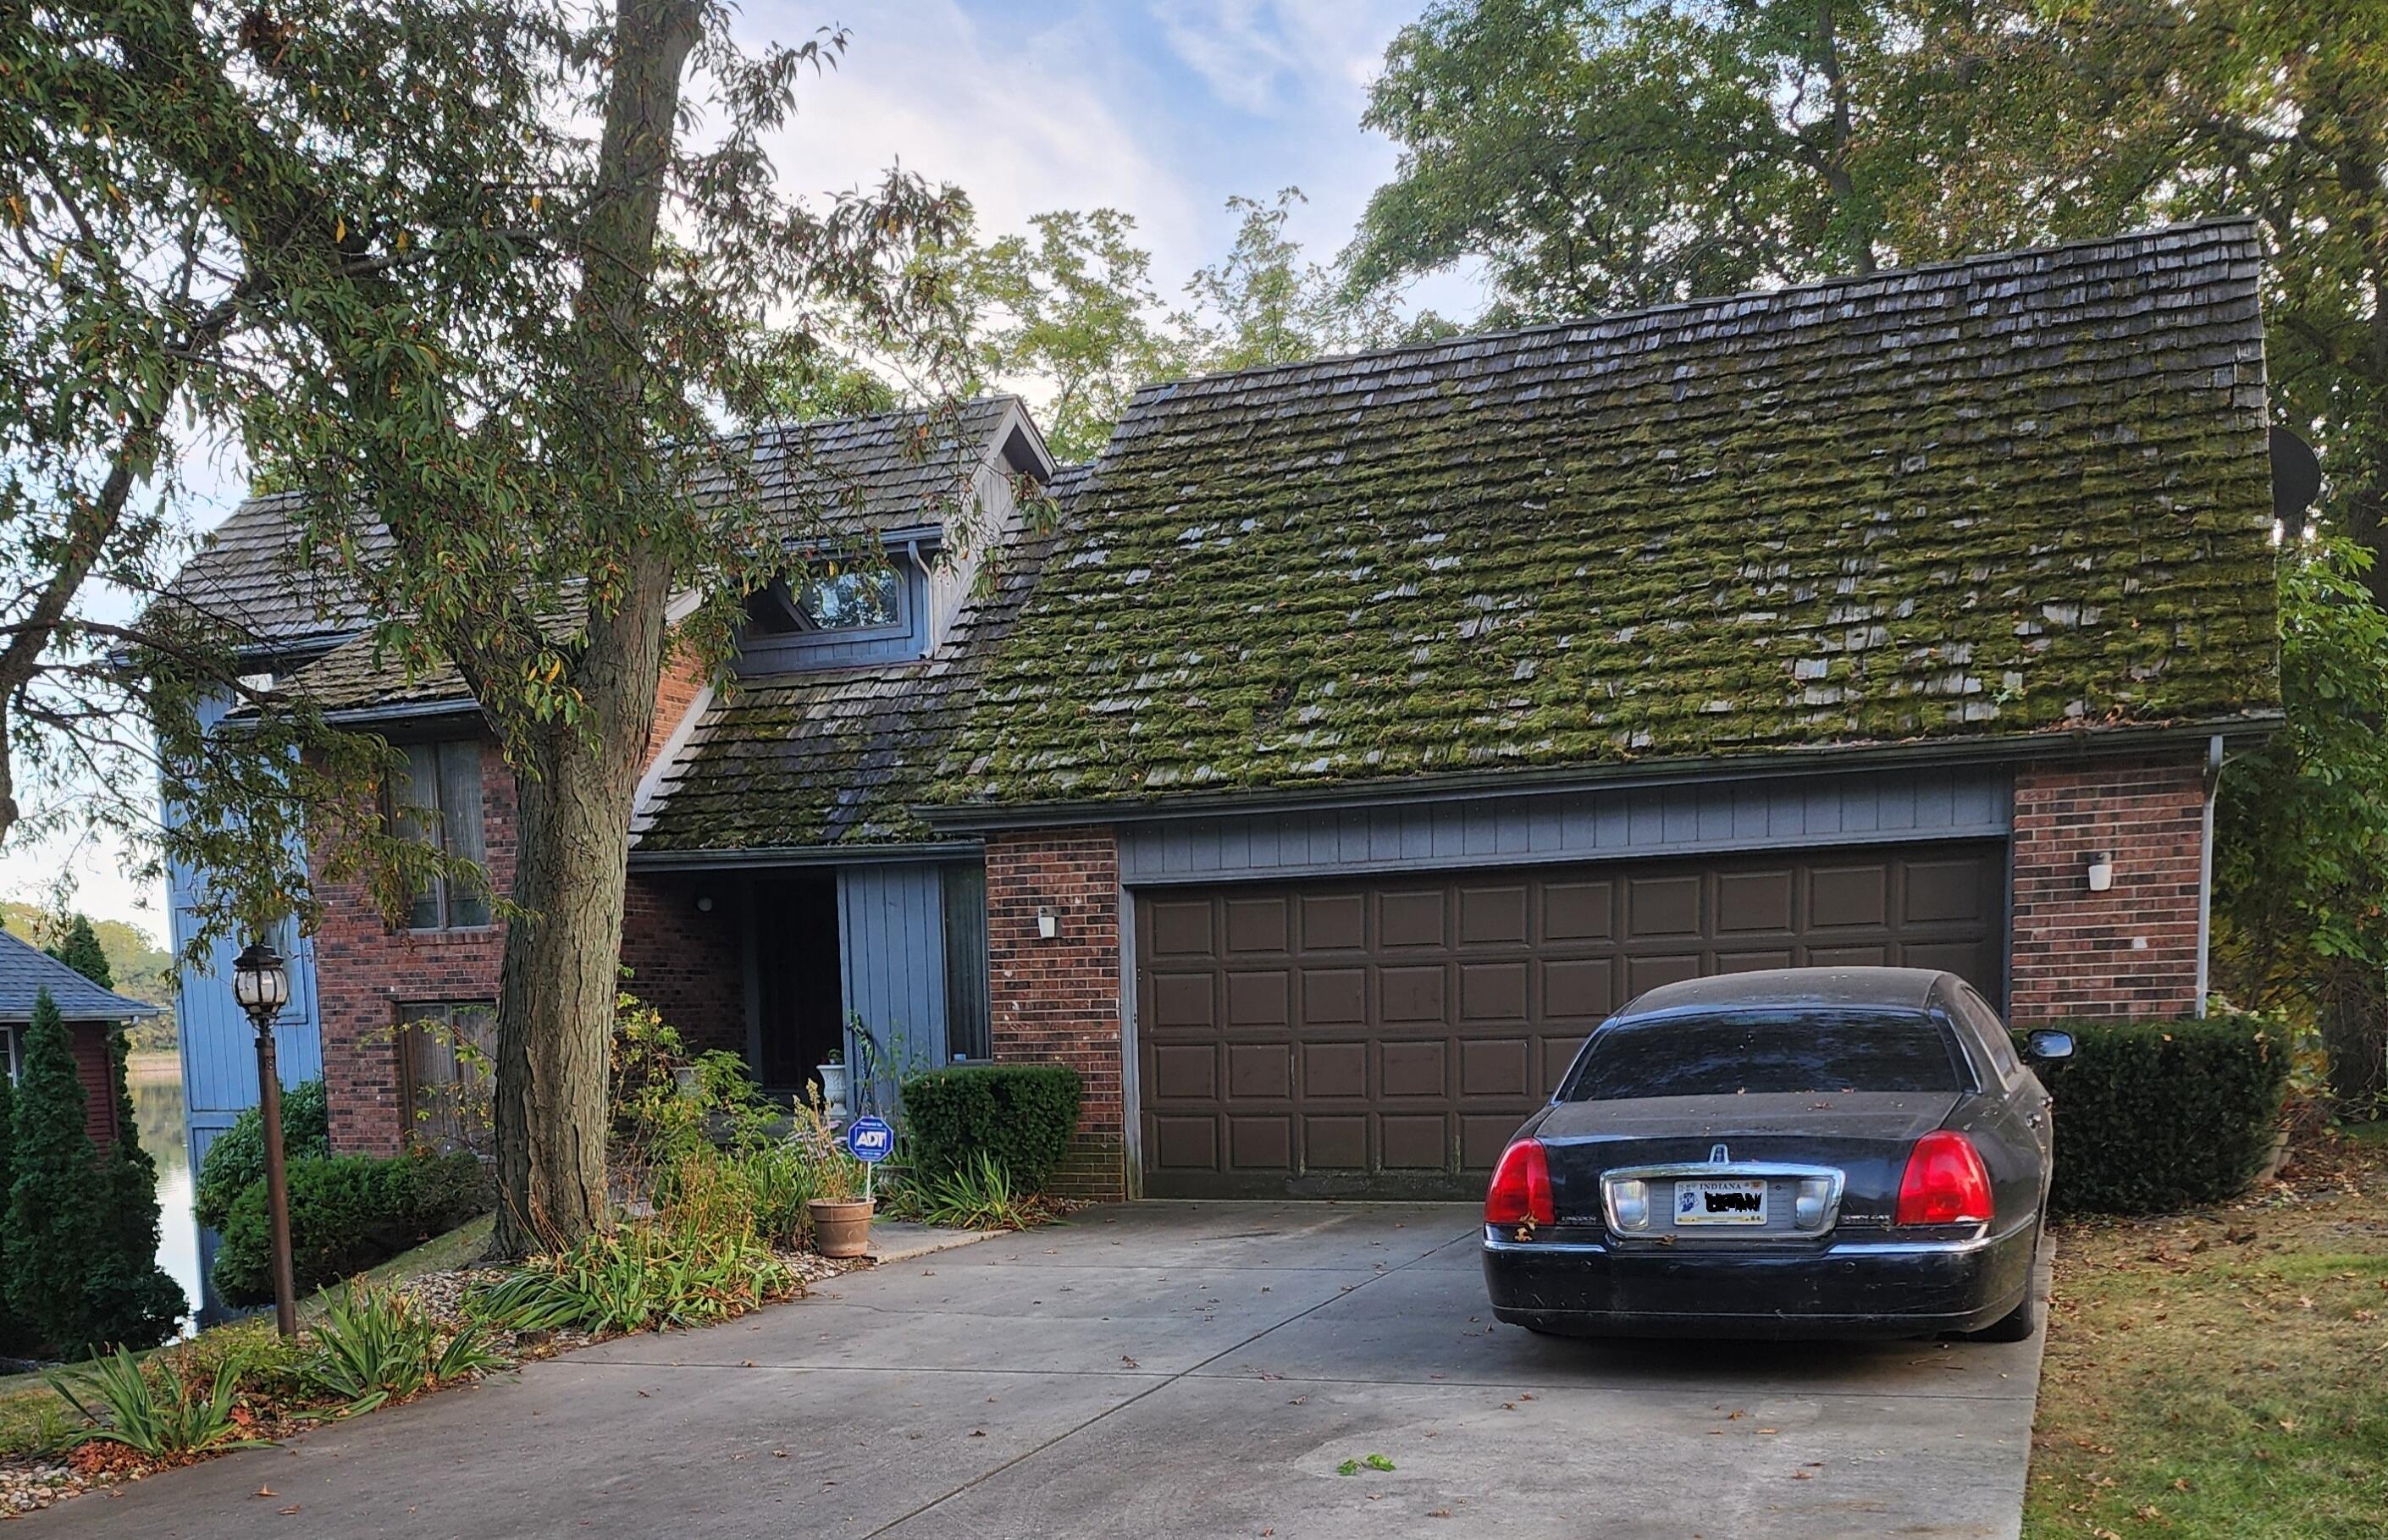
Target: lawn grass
32, 1413
2224, 1373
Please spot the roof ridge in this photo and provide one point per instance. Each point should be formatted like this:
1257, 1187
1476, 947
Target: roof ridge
2150, 235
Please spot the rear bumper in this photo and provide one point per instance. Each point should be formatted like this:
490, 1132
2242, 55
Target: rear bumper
1869, 1287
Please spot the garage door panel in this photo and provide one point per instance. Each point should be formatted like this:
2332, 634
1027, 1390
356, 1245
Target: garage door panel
1335, 1143
1330, 1070
1389, 1035
1260, 1071
1849, 956
1413, 993
1492, 991
1413, 1070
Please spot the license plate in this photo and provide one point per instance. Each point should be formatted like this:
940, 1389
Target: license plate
1720, 1202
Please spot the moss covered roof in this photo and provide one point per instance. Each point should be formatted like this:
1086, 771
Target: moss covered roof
2012, 495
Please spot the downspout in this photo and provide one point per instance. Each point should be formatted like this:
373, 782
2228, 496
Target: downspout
2205, 871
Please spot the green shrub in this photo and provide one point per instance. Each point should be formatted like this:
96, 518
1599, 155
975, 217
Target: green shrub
151, 1409
1021, 1114
374, 1347
2158, 1116
346, 1213
645, 1276
976, 1195
237, 1156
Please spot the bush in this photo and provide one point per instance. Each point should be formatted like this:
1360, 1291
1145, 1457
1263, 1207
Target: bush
237, 1156
649, 1275
348, 1213
1021, 1114
2157, 1115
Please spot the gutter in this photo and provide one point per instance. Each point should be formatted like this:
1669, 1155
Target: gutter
2206, 874
803, 855
1475, 784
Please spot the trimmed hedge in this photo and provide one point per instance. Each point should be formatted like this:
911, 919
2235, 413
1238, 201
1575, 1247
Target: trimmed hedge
2158, 1116
236, 1159
1022, 1114
348, 1213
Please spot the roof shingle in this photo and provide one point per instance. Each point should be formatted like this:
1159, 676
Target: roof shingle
26, 970
2004, 496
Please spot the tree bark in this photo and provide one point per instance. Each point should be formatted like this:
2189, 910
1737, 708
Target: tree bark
577, 779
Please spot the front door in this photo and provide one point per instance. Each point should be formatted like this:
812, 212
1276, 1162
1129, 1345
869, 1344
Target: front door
801, 997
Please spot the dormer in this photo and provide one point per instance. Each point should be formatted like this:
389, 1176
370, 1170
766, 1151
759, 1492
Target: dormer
881, 574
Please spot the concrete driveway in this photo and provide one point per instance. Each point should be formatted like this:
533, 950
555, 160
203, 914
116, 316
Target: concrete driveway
1178, 1369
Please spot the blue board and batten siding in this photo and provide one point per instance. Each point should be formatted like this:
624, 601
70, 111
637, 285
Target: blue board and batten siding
217, 1049
891, 939
1640, 821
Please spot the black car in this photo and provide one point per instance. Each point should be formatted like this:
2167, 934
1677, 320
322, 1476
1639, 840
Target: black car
1804, 1152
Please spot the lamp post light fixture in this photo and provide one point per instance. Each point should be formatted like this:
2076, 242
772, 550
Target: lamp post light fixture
261, 985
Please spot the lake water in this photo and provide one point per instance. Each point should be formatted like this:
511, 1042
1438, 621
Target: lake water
157, 1083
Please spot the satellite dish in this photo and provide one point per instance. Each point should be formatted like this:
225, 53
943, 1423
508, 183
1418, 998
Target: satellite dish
2296, 481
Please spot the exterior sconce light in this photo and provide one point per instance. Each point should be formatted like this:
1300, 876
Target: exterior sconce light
2102, 871
1049, 925
705, 903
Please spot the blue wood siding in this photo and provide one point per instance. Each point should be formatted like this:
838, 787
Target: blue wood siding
793, 652
892, 933
217, 1049
1688, 819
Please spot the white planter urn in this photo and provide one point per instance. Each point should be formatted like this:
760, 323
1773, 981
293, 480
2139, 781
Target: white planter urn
832, 1079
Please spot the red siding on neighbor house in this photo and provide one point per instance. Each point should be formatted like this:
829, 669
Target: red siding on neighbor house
2132, 950
1057, 1001
89, 1039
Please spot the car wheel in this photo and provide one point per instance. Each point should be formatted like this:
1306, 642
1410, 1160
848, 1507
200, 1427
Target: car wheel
2018, 1324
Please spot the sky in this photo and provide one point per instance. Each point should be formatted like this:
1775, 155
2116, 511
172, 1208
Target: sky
1161, 108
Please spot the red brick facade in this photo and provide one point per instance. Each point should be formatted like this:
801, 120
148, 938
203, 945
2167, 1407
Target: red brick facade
1057, 1001
369, 973
2132, 950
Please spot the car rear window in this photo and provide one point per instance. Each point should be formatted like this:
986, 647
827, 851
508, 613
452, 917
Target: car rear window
1726, 1053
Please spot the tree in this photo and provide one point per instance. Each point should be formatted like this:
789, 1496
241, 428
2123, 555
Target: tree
80, 950
15, 1337
493, 349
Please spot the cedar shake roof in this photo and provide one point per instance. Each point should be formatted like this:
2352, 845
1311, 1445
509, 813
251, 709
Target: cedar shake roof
2020, 494
26, 970
840, 477
837, 757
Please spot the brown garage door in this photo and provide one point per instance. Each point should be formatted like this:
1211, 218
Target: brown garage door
1388, 1035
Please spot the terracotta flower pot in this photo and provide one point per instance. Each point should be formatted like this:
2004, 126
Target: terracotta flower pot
841, 1229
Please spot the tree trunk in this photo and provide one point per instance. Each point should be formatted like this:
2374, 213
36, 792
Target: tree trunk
577, 779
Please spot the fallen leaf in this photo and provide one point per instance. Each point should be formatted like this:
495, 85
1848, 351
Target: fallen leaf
265, 1491
292, 1509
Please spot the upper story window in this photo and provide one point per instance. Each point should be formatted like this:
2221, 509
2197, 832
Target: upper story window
438, 801
853, 601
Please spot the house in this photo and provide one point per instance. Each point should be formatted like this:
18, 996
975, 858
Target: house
825, 924
92, 1016
1360, 732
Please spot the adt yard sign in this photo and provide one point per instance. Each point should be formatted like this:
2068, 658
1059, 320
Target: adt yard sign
869, 1140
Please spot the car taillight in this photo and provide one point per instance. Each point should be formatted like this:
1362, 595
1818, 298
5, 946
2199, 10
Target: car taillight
1946, 1183
1521, 1192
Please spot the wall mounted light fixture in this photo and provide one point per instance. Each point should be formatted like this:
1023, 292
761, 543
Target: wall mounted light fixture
1048, 924
2102, 871
705, 903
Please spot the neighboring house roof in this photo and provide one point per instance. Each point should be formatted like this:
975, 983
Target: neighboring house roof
837, 758
861, 477
2015, 494
27, 970
248, 577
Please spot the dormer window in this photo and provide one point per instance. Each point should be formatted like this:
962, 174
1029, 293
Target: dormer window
852, 601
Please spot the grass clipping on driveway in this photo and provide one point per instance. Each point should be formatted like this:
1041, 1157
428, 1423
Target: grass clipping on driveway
2223, 1374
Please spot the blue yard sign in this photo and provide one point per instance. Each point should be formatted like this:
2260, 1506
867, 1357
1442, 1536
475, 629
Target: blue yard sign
869, 1140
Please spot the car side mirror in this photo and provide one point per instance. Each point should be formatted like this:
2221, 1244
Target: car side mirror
2048, 1047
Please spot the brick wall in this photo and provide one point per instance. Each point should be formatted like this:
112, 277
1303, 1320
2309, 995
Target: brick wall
1057, 1001
367, 972
2132, 950
688, 963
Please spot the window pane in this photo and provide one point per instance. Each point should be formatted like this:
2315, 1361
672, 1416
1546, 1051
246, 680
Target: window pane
414, 802
459, 810
1759, 1053
447, 1051
966, 1009
851, 600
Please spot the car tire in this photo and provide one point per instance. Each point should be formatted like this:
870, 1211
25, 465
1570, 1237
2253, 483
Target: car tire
2020, 1323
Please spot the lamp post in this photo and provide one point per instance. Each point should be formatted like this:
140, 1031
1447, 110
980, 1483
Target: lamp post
262, 986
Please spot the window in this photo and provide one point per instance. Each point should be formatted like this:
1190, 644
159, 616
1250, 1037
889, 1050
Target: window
1761, 1052
447, 1056
966, 1014
852, 601
438, 801
8, 1041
